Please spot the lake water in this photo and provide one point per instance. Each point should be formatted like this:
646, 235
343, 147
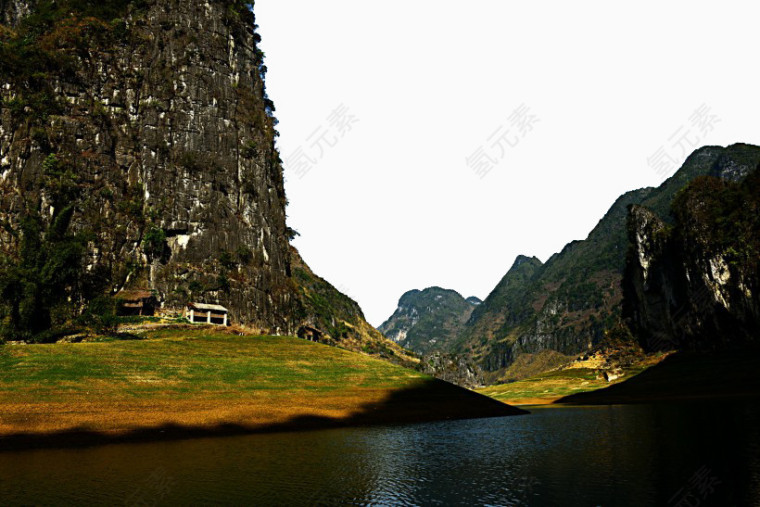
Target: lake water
695, 454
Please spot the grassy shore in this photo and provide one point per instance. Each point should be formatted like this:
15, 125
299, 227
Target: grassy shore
656, 378
548, 387
581, 377
206, 381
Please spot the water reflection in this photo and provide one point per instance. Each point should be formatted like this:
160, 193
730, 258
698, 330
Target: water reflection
622, 455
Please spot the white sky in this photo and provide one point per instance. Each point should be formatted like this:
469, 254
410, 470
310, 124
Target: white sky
391, 204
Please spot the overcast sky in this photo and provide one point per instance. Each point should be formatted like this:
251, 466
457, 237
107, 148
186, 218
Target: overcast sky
431, 142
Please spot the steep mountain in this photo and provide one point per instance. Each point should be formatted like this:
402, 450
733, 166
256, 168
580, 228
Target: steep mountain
428, 320
695, 284
148, 123
570, 303
137, 151
488, 319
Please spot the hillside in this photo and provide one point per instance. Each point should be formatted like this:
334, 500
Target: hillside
174, 383
330, 317
429, 320
541, 316
722, 376
573, 302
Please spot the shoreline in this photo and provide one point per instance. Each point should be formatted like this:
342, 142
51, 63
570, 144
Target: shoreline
67, 439
64, 425
82, 437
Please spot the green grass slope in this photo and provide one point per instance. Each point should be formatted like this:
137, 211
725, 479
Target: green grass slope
338, 320
207, 381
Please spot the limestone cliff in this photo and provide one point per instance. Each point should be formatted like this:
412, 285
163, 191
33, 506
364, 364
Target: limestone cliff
141, 132
695, 285
161, 119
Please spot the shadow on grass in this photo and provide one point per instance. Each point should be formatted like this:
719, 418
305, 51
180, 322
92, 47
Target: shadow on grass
682, 377
434, 400
122, 336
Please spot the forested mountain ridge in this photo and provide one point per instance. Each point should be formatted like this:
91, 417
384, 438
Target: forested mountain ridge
542, 315
573, 302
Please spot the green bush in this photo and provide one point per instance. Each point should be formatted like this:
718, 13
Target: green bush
226, 260
101, 315
250, 150
191, 160
154, 243
223, 283
244, 255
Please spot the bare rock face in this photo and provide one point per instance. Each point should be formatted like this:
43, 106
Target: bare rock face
453, 368
650, 277
694, 285
13, 11
161, 121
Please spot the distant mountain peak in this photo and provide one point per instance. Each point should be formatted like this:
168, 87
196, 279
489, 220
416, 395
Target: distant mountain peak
524, 259
429, 319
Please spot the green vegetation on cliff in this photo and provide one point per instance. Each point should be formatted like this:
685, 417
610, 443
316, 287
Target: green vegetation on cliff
333, 318
714, 216
34, 288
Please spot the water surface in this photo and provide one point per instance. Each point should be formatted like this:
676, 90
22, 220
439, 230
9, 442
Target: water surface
703, 453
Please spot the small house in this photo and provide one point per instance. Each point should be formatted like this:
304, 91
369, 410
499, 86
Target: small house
310, 333
208, 314
136, 302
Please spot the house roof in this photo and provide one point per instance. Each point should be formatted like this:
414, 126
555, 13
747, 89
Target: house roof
134, 295
205, 307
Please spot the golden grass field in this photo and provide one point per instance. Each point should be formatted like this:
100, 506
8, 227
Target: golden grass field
203, 378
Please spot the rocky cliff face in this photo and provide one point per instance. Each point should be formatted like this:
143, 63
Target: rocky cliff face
13, 11
429, 320
161, 119
142, 132
694, 285
453, 368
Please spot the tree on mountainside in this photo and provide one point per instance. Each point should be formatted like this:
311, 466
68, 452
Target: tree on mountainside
42, 278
